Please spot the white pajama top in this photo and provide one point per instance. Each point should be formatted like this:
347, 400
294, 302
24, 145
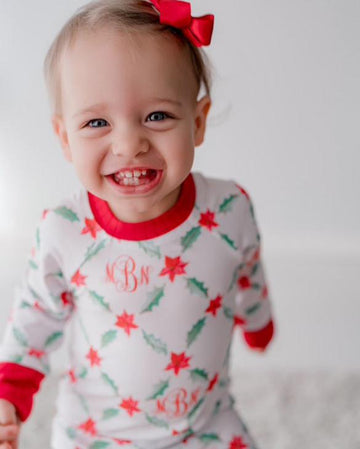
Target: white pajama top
150, 308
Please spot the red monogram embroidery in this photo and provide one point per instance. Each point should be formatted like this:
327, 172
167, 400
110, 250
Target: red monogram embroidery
177, 403
124, 274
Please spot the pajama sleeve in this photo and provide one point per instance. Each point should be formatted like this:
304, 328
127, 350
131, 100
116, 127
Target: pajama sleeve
253, 309
35, 328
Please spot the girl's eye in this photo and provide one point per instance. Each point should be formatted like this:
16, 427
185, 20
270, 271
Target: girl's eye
97, 123
157, 116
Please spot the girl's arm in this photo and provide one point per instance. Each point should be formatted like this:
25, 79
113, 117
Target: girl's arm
253, 308
42, 307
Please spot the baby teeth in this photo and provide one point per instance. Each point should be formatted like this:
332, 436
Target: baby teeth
132, 174
131, 181
131, 177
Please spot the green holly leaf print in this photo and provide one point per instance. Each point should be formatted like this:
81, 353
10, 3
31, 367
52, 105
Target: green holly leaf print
67, 213
110, 413
110, 382
100, 300
156, 421
93, 250
190, 238
254, 269
187, 434
25, 305
235, 276
227, 204
199, 374
217, 408
195, 409
83, 373
195, 331
256, 286
108, 337
45, 367
197, 288
153, 299
159, 389
208, 438
99, 445
253, 309
33, 264
34, 294
17, 359
252, 212
150, 249
223, 383
37, 238
228, 313
71, 433
53, 338
83, 403
158, 345
228, 240
20, 337
227, 355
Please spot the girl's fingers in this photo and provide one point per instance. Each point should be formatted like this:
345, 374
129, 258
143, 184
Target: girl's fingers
8, 433
5, 446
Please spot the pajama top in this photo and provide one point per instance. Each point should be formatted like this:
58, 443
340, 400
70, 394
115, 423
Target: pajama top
150, 308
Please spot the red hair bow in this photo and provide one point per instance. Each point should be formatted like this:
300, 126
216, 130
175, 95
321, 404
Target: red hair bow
178, 15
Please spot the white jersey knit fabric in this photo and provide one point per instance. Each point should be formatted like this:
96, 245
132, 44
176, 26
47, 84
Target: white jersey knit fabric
150, 322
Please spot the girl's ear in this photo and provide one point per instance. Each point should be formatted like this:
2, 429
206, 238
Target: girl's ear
202, 110
60, 130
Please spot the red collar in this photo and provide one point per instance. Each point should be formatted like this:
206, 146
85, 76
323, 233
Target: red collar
150, 229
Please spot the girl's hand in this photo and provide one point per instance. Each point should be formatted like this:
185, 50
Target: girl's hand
9, 426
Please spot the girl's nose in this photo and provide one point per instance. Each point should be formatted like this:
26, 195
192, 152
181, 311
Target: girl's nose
129, 142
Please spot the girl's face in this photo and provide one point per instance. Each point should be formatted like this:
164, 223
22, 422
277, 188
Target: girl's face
130, 119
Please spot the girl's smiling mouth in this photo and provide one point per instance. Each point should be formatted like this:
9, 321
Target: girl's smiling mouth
135, 180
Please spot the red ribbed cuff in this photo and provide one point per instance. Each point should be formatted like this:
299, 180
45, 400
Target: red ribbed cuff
18, 385
261, 338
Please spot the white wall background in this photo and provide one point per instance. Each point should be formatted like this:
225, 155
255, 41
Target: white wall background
285, 124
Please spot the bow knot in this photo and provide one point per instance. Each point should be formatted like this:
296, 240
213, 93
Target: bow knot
178, 15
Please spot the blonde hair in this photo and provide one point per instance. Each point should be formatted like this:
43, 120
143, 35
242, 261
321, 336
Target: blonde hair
123, 15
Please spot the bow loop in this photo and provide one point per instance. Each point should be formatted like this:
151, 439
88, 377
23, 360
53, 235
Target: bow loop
201, 29
177, 14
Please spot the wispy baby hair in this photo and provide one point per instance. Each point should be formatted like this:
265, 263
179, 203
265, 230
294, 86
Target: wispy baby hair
123, 15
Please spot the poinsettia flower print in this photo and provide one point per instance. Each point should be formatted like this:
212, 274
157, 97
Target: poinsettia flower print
207, 220
94, 358
239, 320
91, 227
121, 442
243, 191
38, 306
215, 304
130, 405
178, 362
36, 353
237, 443
173, 267
72, 376
244, 282
213, 382
78, 279
66, 298
126, 322
89, 427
